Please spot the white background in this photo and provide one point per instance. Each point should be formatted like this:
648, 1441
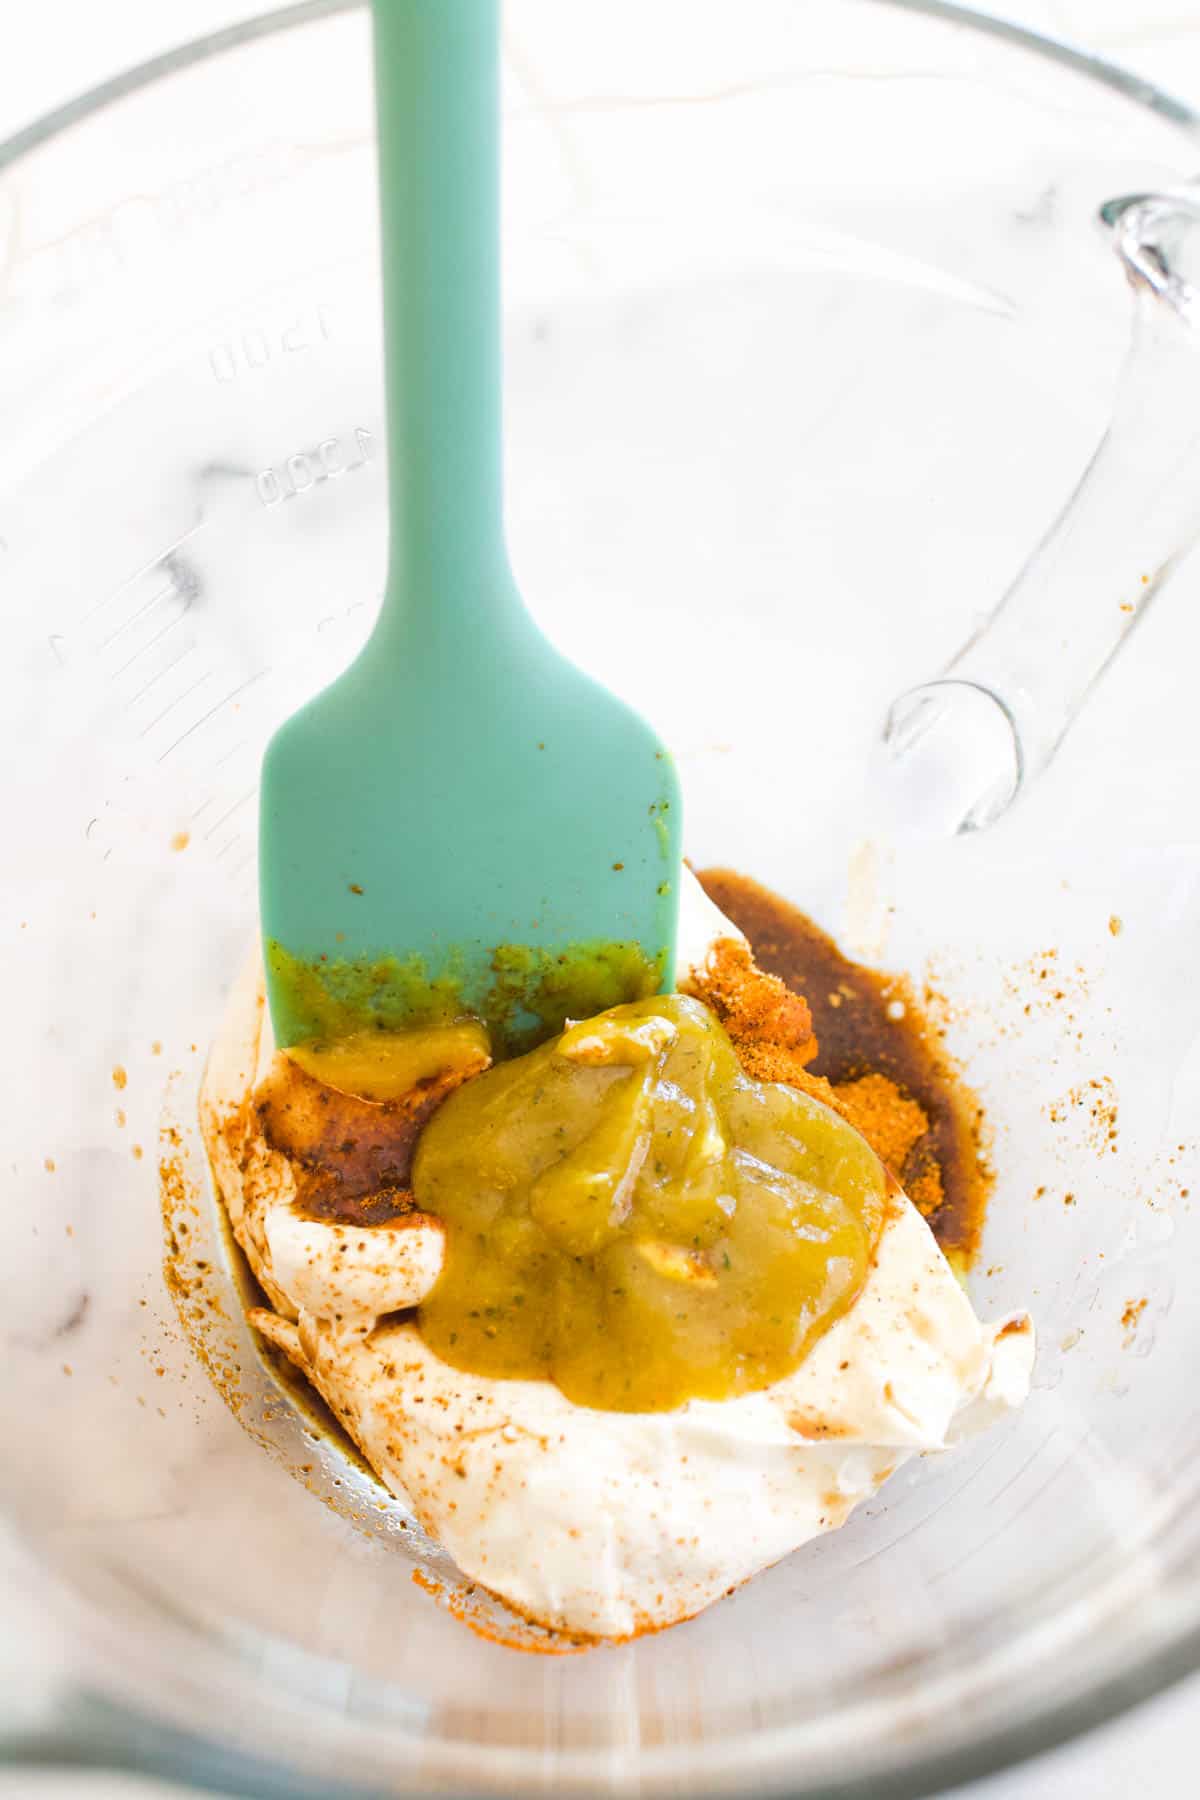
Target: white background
61, 47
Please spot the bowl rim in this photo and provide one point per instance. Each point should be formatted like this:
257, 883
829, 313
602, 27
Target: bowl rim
140, 1742
305, 12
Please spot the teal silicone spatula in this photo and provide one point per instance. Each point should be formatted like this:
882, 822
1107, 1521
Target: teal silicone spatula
463, 822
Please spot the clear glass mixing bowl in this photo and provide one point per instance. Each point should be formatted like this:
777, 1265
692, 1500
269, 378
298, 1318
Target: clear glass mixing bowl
810, 330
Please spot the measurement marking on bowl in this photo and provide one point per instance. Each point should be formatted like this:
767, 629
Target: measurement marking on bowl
146, 686
229, 812
211, 714
256, 345
146, 568
157, 638
1070, 1457
944, 1500
1034, 1456
336, 618
297, 475
229, 755
160, 594
178, 701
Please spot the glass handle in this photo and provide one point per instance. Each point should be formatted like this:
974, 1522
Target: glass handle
955, 752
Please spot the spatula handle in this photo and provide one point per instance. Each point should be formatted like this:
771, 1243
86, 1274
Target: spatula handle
437, 82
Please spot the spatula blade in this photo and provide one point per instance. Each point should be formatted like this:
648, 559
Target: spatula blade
425, 855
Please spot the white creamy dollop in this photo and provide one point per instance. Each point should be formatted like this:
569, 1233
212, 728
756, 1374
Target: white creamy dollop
603, 1523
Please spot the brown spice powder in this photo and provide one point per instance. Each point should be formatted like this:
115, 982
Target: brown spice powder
799, 1011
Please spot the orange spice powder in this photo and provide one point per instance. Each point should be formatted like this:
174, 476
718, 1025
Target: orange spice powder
771, 1028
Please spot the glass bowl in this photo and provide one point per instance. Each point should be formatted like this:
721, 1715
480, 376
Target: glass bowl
810, 330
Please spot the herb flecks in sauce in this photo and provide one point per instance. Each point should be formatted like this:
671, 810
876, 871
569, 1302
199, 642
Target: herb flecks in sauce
529, 993
629, 1215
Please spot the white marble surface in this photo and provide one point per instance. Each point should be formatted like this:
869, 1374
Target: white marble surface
63, 47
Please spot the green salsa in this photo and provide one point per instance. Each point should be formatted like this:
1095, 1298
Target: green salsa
632, 1217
